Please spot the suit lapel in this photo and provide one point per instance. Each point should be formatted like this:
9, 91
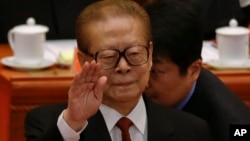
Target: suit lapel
96, 129
159, 128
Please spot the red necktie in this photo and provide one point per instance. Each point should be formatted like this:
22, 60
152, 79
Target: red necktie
124, 124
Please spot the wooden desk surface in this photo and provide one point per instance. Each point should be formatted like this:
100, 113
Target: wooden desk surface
34, 88
31, 89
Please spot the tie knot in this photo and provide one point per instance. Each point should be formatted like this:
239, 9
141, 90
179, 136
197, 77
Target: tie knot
124, 124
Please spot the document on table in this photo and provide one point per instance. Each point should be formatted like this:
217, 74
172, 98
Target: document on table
54, 47
209, 52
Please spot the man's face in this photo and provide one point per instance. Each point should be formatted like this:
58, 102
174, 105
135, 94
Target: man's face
125, 82
166, 85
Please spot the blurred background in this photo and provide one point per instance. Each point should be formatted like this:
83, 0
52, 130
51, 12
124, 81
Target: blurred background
60, 15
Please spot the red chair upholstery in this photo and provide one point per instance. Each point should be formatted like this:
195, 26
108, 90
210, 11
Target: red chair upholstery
5, 94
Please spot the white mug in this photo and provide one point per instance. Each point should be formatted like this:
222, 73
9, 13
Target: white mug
233, 44
27, 42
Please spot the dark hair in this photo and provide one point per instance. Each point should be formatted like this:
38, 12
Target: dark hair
102, 10
177, 33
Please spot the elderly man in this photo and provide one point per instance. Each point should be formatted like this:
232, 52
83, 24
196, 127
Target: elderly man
115, 50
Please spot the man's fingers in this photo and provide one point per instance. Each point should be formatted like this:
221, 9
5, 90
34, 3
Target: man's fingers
91, 71
99, 87
83, 82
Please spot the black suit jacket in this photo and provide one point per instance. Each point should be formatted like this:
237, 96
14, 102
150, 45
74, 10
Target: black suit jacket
163, 125
215, 103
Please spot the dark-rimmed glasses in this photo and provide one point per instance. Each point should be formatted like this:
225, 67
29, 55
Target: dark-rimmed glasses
135, 56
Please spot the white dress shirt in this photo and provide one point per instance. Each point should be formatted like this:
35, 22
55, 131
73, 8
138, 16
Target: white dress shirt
138, 131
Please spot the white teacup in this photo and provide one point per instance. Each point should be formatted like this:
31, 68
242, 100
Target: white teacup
233, 44
27, 42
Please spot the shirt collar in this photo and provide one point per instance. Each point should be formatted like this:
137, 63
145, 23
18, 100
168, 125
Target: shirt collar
111, 116
185, 101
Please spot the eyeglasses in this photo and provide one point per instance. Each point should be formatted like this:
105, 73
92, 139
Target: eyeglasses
135, 56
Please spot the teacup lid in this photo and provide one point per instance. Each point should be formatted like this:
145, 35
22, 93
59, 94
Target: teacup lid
232, 29
31, 27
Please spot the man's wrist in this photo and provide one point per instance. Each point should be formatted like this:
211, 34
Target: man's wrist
75, 125
68, 134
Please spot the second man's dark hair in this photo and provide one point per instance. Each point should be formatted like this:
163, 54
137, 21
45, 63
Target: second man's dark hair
177, 33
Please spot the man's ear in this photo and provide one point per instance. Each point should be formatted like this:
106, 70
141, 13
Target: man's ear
195, 69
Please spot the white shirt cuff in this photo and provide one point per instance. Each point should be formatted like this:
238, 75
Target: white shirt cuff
66, 131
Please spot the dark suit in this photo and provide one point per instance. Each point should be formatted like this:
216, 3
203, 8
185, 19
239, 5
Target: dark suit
163, 125
215, 103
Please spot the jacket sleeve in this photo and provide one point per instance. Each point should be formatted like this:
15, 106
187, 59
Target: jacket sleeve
41, 123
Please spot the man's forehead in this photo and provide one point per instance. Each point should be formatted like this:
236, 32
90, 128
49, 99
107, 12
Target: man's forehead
159, 60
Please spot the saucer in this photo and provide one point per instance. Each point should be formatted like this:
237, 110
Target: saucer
217, 64
11, 62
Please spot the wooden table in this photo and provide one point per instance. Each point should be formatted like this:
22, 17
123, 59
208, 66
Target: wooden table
34, 88
31, 89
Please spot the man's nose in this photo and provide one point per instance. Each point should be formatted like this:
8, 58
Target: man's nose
123, 66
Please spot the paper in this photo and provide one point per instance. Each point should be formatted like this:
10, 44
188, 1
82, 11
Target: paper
209, 52
54, 47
